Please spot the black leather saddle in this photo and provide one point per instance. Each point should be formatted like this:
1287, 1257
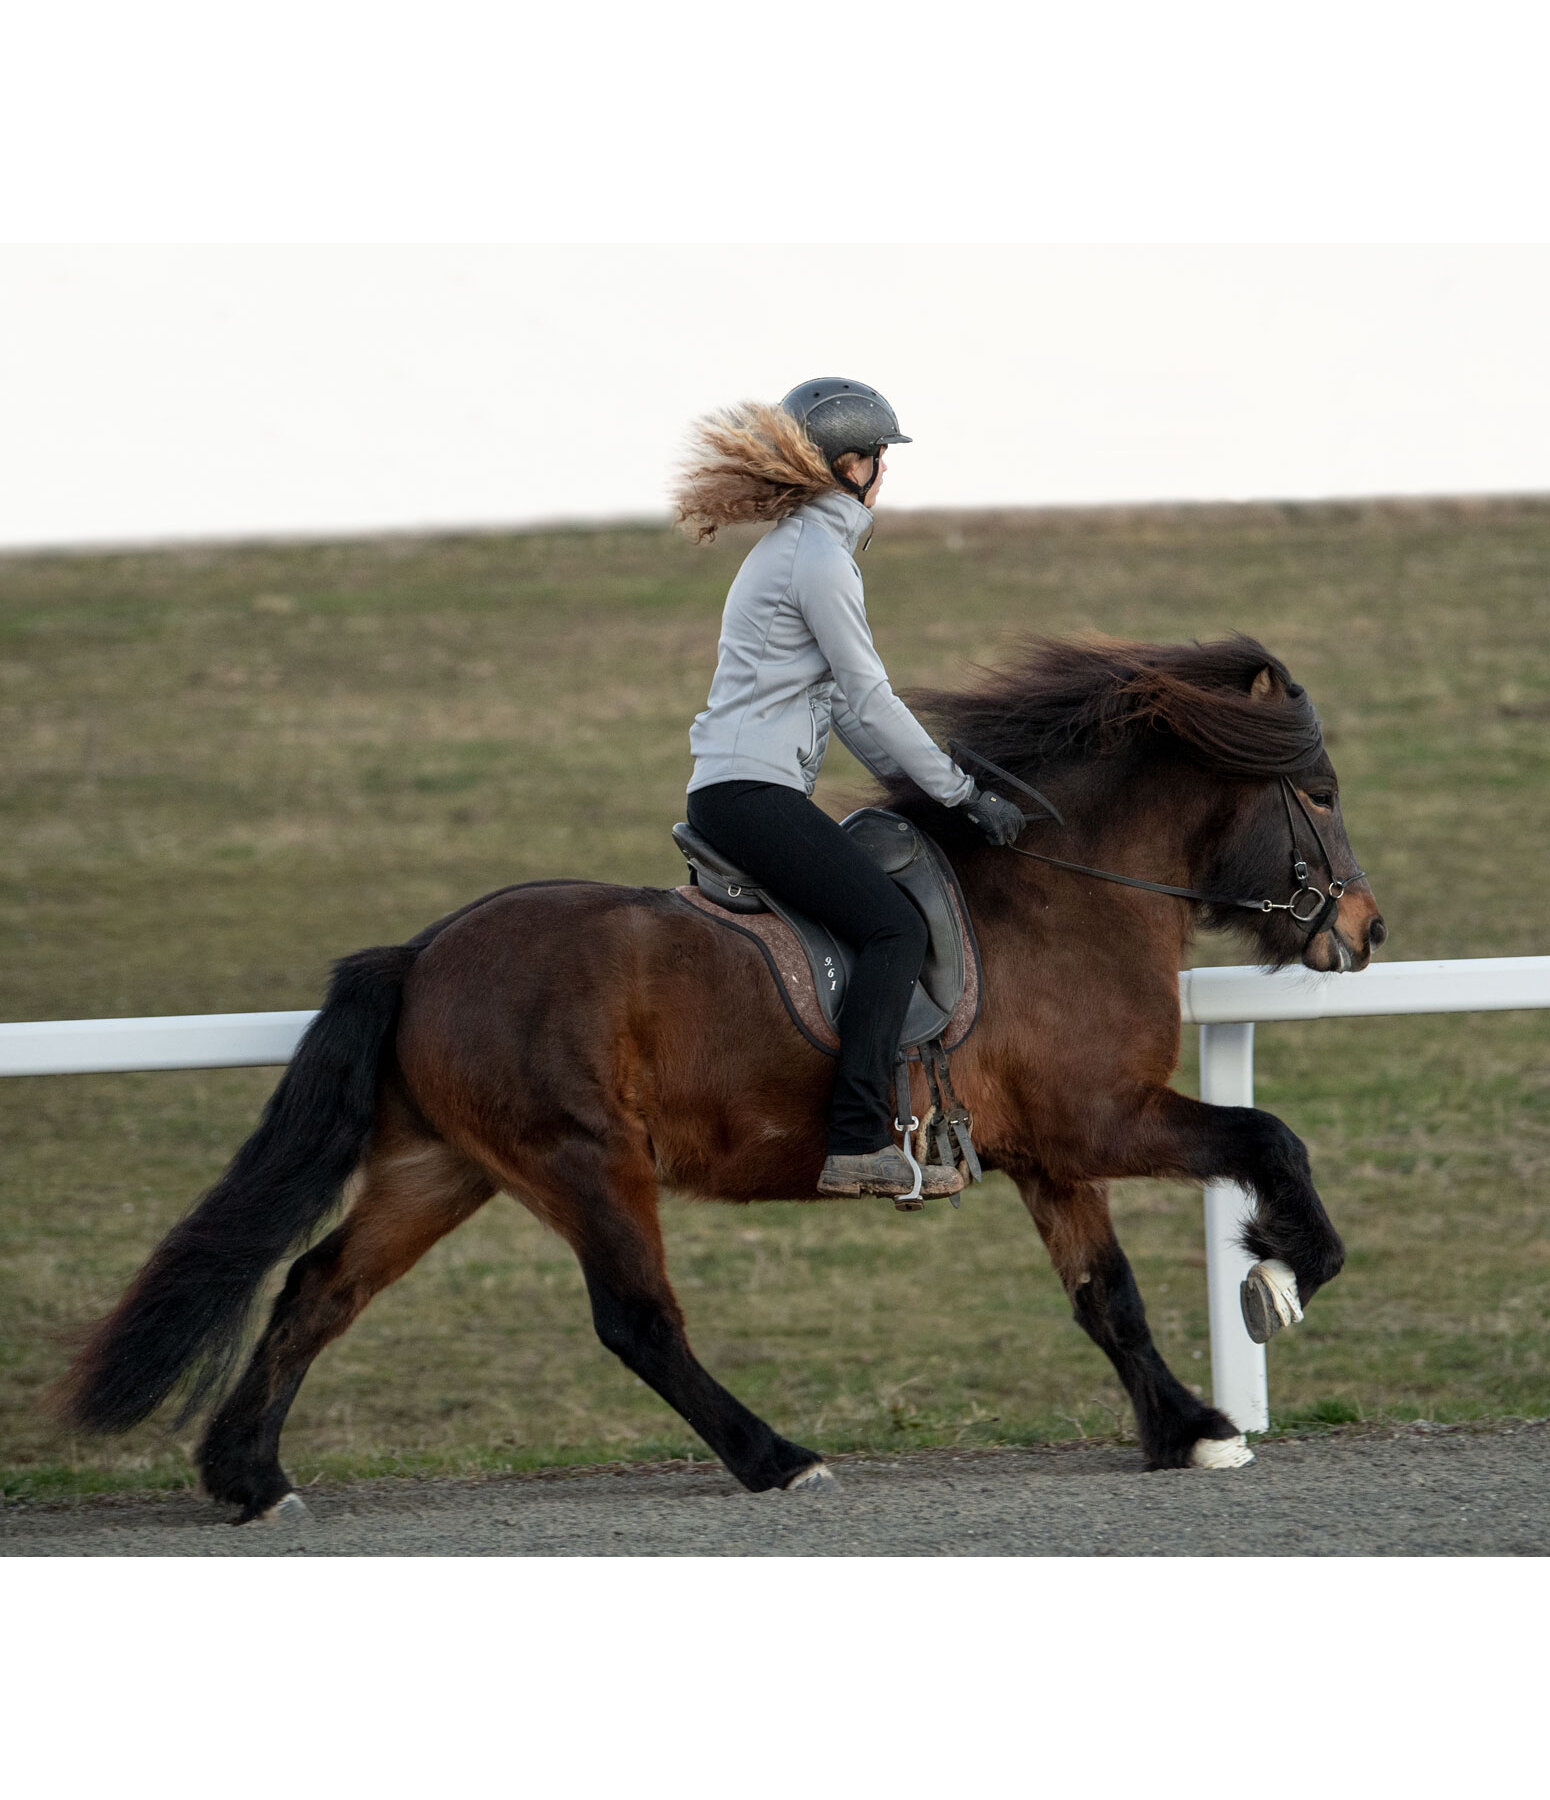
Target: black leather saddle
903, 851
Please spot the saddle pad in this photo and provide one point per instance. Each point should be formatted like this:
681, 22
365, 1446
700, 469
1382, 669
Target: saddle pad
794, 979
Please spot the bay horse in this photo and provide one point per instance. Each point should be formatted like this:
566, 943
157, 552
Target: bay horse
577, 1044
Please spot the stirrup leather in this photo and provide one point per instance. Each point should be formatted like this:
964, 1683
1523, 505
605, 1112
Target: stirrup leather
945, 1137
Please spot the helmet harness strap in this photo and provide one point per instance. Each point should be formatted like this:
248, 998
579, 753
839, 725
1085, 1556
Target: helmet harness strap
859, 489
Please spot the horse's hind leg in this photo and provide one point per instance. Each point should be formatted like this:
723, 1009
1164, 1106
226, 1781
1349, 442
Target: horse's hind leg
413, 1190
1175, 1427
605, 1206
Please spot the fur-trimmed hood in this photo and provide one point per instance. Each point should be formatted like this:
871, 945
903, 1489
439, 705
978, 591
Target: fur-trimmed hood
747, 463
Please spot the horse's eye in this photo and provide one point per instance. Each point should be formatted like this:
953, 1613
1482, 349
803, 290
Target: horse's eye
1322, 798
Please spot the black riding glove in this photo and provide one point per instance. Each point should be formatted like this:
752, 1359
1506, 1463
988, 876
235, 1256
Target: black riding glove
1000, 821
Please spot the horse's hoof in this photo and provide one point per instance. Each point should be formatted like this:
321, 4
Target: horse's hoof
1269, 1299
291, 1510
1221, 1453
811, 1481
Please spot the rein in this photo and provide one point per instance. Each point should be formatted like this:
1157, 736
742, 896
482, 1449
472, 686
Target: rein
1318, 904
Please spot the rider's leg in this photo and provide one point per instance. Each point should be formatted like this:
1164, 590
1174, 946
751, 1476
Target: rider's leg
797, 852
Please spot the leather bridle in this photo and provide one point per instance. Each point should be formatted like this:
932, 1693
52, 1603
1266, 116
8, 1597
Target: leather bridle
1317, 905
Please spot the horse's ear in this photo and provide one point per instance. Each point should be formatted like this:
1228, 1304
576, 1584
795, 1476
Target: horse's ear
1263, 685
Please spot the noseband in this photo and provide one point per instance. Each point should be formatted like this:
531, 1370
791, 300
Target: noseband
1310, 906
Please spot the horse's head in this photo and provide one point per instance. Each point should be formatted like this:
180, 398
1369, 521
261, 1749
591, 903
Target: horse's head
1199, 765
1285, 839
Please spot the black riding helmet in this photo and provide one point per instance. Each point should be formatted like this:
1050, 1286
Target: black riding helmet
842, 417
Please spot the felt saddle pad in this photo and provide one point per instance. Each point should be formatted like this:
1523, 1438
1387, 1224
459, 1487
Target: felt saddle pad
812, 967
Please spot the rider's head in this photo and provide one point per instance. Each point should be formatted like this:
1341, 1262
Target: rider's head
850, 423
755, 462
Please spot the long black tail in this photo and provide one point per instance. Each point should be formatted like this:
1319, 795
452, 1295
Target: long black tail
184, 1313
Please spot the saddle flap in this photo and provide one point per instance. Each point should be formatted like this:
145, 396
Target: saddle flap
923, 872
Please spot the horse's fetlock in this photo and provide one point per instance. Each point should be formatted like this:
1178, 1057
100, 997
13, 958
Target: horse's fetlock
1322, 1267
1169, 1434
235, 1471
1256, 1239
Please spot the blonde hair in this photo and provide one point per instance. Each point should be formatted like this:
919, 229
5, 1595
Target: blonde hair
745, 463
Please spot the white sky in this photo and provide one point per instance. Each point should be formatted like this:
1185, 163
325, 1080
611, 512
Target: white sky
445, 343
154, 393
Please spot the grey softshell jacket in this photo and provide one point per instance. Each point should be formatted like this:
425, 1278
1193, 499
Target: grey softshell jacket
796, 657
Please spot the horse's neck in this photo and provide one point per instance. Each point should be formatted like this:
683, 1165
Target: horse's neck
1152, 824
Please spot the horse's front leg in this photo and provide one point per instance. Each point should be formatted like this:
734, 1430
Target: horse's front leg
1289, 1231
1177, 1429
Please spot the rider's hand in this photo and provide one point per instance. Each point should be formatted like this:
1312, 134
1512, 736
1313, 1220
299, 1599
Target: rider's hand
1000, 821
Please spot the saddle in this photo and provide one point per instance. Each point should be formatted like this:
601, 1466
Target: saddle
812, 967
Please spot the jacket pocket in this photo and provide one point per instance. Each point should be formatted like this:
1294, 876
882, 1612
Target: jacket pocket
817, 726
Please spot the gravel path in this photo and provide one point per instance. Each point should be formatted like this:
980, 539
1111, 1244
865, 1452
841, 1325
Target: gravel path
1416, 1491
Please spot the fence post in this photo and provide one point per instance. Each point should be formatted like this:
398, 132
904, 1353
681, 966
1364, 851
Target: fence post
1238, 1384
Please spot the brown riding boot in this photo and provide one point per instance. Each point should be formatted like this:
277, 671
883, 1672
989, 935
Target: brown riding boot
886, 1171
938, 1180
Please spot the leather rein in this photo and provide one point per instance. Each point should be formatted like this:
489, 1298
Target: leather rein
1318, 904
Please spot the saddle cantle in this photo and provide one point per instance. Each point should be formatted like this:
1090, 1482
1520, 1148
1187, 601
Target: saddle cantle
812, 966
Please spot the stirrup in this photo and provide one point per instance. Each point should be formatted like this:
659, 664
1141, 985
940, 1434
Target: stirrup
907, 1124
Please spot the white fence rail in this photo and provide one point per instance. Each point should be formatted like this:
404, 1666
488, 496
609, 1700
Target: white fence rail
181, 1041
1224, 1003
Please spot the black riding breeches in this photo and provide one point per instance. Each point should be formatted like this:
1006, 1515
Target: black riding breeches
796, 852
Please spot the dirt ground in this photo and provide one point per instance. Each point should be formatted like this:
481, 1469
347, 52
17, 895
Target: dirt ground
1416, 1491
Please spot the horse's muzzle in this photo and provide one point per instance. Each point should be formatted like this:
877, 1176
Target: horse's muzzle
1355, 932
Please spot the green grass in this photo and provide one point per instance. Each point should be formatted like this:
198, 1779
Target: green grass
223, 767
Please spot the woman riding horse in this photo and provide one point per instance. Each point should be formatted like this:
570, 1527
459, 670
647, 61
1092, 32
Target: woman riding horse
795, 661
578, 1045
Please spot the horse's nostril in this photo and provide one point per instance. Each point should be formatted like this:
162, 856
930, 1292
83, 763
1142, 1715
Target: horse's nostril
1377, 931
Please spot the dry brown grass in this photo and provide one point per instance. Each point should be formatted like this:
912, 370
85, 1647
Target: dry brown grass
224, 767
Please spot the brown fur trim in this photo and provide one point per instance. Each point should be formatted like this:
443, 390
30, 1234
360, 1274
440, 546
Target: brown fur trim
746, 463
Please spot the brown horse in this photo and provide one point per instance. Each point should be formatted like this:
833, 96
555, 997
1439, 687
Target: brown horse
577, 1044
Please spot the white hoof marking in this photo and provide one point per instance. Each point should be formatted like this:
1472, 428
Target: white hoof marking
1282, 1283
1221, 1453
1269, 1299
288, 1511
810, 1481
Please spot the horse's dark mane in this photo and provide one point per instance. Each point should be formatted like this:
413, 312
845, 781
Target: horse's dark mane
1072, 699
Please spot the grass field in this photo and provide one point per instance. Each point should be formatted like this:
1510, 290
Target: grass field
223, 767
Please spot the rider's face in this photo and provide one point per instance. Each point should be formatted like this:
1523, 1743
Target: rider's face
856, 466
